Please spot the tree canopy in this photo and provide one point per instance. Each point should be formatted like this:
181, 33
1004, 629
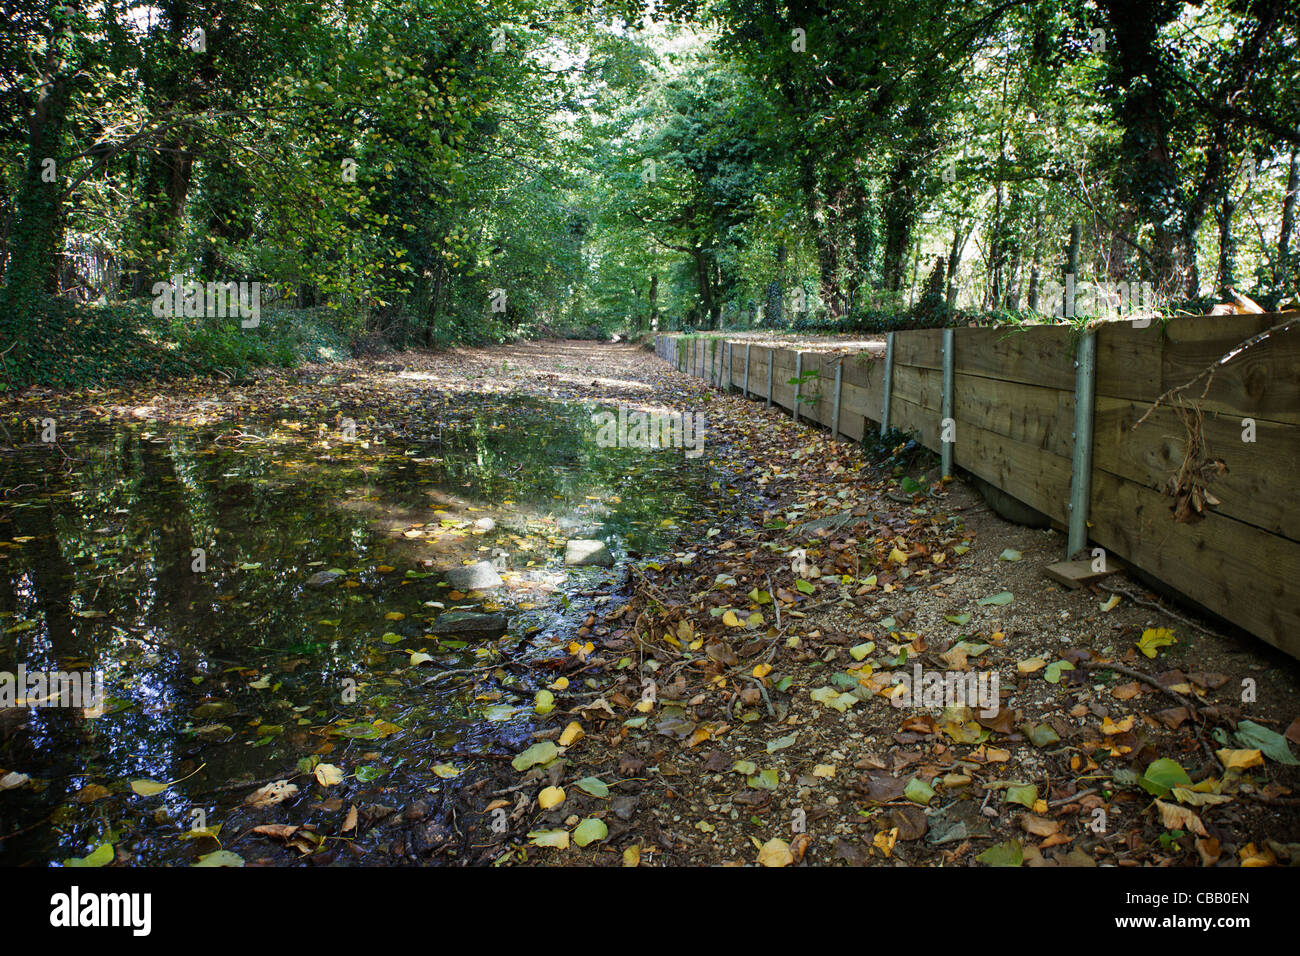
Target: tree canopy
431, 171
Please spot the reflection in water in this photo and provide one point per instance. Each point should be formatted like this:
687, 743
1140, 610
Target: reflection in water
177, 561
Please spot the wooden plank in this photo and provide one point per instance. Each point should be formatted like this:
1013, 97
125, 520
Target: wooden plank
782, 371
818, 389
1236, 570
1128, 361
1253, 490
910, 417
862, 368
859, 401
919, 347
920, 386
1043, 417
863, 386
1262, 383
1037, 477
758, 373
1075, 574
1031, 355
852, 426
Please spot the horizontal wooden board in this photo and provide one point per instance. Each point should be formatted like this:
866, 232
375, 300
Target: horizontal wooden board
1236, 570
852, 425
1037, 477
1254, 488
909, 417
862, 368
1261, 382
818, 390
1042, 417
859, 401
919, 347
920, 386
1030, 355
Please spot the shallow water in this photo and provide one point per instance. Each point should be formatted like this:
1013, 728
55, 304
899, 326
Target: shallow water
239, 670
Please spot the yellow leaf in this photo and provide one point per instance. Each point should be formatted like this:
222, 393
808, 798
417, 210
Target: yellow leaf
559, 839
1253, 856
572, 734
885, 840
550, 797
1154, 638
446, 771
1240, 759
762, 670
632, 855
1109, 727
327, 775
775, 853
731, 620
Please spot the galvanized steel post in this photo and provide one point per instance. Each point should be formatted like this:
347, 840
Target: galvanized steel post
1085, 384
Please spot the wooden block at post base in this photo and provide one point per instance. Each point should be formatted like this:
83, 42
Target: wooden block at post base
1075, 574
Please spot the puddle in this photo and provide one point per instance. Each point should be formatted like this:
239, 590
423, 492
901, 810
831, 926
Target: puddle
240, 670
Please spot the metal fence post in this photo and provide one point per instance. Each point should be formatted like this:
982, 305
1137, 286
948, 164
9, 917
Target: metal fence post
946, 404
835, 412
889, 382
771, 355
798, 370
1085, 382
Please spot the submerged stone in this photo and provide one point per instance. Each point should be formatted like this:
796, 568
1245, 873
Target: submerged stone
323, 579
469, 622
474, 577
582, 551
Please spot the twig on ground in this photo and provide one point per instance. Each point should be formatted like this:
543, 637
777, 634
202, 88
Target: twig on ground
1157, 607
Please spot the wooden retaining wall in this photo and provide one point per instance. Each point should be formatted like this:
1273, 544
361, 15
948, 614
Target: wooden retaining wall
1013, 411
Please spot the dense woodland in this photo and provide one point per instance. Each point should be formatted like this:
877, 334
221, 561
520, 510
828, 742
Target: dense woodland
424, 172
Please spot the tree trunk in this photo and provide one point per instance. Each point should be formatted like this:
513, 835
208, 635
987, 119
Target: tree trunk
1150, 184
705, 283
653, 297
775, 311
36, 245
1282, 271
1227, 254
954, 259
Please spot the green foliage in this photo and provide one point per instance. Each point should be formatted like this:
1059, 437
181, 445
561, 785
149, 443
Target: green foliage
451, 171
113, 345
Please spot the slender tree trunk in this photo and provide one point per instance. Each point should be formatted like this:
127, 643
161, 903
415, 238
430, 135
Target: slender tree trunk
1282, 271
1227, 254
775, 312
704, 281
653, 298
954, 259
